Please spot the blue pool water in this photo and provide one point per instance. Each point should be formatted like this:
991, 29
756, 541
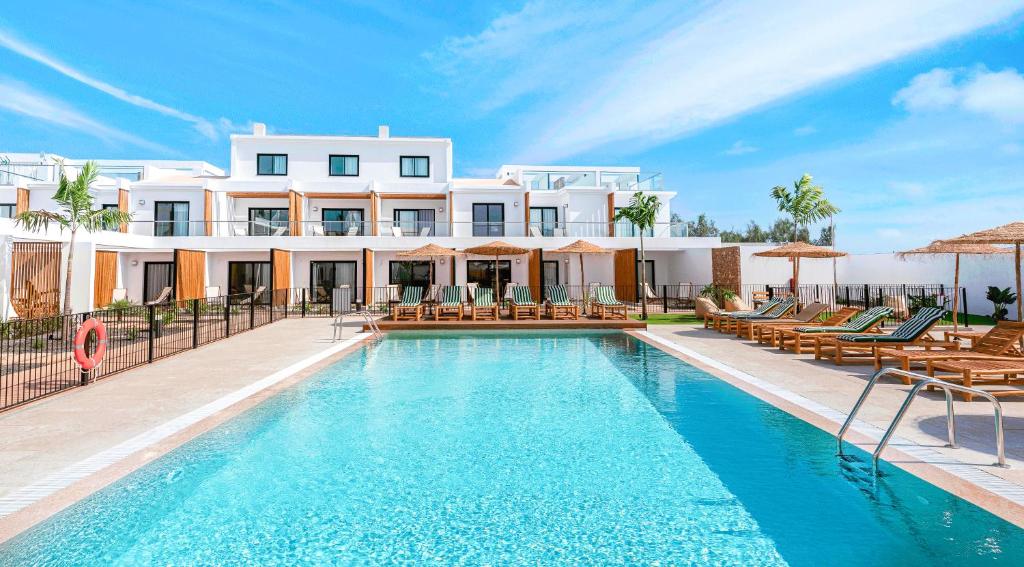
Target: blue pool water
519, 448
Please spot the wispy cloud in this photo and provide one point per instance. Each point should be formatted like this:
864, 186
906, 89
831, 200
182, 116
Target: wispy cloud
657, 73
212, 129
805, 130
19, 98
997, 94
740, 148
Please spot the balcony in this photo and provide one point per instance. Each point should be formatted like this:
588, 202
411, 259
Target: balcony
629, 181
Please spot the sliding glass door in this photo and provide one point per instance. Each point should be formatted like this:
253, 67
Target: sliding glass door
481, 272
268, 222
157, 276
324, 277
409, 273
343, 222
545, 219
171, 218
414, 221
249, 277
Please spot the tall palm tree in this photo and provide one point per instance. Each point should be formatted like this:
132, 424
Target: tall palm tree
806, 204
641, 212
76, 212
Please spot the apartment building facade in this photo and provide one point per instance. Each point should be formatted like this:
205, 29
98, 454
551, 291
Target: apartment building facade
320, 212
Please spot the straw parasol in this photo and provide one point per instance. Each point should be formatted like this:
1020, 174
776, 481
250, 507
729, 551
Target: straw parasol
497, 249
582, 247
955, 248
797, 250
1012, 234
429, 251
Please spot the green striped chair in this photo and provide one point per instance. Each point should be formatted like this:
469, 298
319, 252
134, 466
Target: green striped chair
864, 322
722, 318
449, 304
411, 306
523, 305
912, 332
605, 305
558, 305
484, 307
776, 311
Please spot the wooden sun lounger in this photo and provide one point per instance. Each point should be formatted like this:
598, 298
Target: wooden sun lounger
720, 321
411, 307
558, 306
604, 305
768, 331
523, 306
865, 322
449, 305
855, 348
974, 373
744, 326
484, 307
999, 343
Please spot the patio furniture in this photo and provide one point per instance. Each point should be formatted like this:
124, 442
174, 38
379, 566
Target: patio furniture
651, 296
720, 316
425, 231
411, 306
523, 305
747, 325
768, 331
535, 231
118, 294
396, 231
853, 348
254, 295
781, 309
483, 306
316, 230
974, 373
352, 231
865, 322
165, 293
449, 305
998, 343
558, 306
212, 291
604, 305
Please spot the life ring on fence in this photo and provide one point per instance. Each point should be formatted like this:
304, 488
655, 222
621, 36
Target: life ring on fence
90, 362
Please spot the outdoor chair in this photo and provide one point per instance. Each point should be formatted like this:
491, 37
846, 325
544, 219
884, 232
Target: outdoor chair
165, 294
768, 331
999, 343
535, 232
119, 294
449, 305
523, 305
854, 347
558, 306
781, 309
747, 326
316, 230
865, 322
717, 319
396, 231
483, 306
604, 304
411, 306
973, 373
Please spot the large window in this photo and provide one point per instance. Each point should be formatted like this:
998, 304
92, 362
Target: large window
415, 166
545, 219
626, 228
171, 218
409, 273
110, 226
249, 277
157, 276
7, 210
549, 273
488, 219
414, 221
343, 222
324, 277
481, 272
268, 222
271, 164
347, 166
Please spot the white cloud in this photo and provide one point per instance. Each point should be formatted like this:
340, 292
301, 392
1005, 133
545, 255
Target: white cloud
997, 94
889, 233
21, 99
740, 148
212, 129
805, 130
909, 188
659, 72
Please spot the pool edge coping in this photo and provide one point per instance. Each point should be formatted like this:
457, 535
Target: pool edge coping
25, 507
968, 481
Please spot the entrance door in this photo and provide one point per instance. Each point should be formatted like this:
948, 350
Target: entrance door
549, 273
248, 277
326, 276
481, 272
650, 276
155, 277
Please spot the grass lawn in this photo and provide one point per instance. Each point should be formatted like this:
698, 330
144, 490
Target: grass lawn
671, 319
971, 319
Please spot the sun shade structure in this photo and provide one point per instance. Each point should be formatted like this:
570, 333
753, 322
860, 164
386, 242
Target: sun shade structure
1012, 234
582, 247
429, 251
956, 248
797, 250
497, 249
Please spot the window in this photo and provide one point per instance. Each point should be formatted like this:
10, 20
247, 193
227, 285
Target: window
409, 273
129, 173
249, 277
7, 210
156, 276
268, 222
343, 222
271, 164
171, 218
415, 166
324, 277
488, 219
549, 273
113, 226
626, 228
347, 166
650, 273
414, 221
545, 219
481, 272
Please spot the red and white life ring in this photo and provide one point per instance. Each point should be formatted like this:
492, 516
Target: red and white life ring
90, 362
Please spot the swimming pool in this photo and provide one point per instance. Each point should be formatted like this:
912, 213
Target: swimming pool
515, 448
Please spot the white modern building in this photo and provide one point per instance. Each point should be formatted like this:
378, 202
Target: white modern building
319, 212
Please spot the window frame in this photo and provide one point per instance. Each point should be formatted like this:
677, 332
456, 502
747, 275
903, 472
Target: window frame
13, 207
401, 159
487, 224
330, 170
544, 226
324, 222
312, 271
258, 156
413, 264
420, 224
252, 222
172, 221
261, 263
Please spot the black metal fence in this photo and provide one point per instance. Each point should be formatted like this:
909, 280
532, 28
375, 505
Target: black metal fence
904, 299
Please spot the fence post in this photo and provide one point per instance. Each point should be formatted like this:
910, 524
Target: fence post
252, 311
664, 298
867, 297
152, 323
963, 305
303, 302
227, 316
83, 376
195, 323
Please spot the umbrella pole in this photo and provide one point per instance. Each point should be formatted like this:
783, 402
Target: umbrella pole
956, 292
796, 284
583, 284
496, 292
1020, 300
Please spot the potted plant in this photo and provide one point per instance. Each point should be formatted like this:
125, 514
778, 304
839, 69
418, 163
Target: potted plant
1000, 298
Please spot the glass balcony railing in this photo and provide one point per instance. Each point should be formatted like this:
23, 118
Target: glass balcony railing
554, 180
633, 181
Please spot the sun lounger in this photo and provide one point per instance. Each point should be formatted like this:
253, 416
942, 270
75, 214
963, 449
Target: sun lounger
558, 306
604, 305
449, 305
855, 347
974, 373
718, 318
999, 343
523, 305
768, 331
165, 294
747, 326
411, 306
741, 324
865, 322
483, 306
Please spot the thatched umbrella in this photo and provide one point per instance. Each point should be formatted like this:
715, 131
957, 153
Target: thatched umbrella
795, 251
429, 251
955, 248
497, 249
1012, 234
582, 247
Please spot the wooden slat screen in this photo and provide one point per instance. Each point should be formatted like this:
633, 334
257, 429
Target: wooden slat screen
208, 211
295, 212
611, 214
625, 274
526, 213
123, 206
21, 201
374, 212
533, 260
35, 279
280, 268
190, 274
367, 269
104, 278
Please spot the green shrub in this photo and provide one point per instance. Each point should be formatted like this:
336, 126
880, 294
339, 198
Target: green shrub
717, 294
1000, 298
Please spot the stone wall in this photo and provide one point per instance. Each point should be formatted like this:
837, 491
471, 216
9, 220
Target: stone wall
725, 267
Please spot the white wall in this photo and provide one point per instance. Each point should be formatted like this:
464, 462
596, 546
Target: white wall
515, 215
145, 214
132, 278
217, 265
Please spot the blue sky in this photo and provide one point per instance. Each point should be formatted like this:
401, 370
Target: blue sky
911, 114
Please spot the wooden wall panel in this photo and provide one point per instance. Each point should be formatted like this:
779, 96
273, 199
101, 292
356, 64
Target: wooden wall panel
208, 212
21, 201
625, 274
367, 271
123, 205
533, 260
280, 269
257, 195
295, 212
35, 279
104, 278
190, 274
526, 213
725, 267
611, 214
374, 213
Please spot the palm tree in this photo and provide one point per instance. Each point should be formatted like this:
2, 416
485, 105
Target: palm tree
641, 212
806, 204
76, 212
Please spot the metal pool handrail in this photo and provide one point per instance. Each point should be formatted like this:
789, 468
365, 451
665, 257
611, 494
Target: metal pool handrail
339, 325
923, 382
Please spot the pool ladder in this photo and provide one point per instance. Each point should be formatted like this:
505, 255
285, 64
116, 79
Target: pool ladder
922, 382
339, 325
